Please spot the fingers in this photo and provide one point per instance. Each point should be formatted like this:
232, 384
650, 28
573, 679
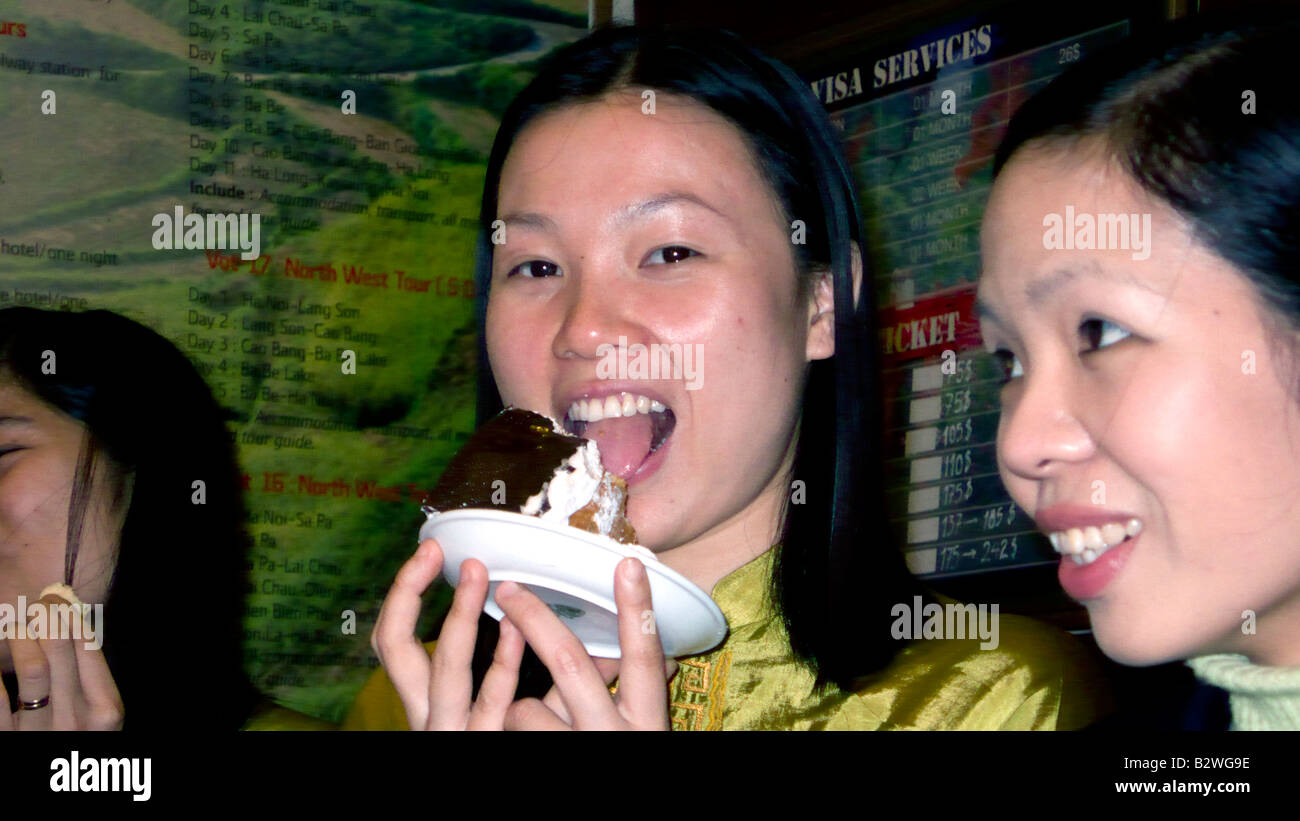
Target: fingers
576, 678
451, 683
531, 714
500, 681
394, 641
72, 673
66, 702
642, 687
608, 669
33, 683
102, 701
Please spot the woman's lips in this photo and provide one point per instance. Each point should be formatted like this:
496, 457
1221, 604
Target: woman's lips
652, 463
1087, 581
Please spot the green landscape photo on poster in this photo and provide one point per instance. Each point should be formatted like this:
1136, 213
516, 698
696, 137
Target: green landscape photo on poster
368, 224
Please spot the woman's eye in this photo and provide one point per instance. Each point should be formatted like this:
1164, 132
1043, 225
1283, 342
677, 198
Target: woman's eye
671, 253
1008, 365
535, 268
1099, 333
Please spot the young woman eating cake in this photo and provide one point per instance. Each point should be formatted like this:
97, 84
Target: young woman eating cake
656, 187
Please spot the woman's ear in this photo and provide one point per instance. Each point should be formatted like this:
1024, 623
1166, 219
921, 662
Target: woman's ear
821, 309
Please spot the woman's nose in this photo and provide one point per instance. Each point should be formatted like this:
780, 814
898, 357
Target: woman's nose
595, 314
1041, 430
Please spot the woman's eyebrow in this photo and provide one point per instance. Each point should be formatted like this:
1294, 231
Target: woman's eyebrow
658, 202
1037, 291
530, 219
16, 420
1041, 290
629, 213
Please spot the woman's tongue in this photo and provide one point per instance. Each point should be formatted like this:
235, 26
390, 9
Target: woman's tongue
624, 442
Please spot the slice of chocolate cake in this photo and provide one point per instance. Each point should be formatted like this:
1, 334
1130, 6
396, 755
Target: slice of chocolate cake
523, 461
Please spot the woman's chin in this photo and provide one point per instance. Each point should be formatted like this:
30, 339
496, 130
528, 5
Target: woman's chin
1134, 657
648, 531
1132, 647
655, 531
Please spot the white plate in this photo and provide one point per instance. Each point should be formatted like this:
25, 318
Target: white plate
573, 572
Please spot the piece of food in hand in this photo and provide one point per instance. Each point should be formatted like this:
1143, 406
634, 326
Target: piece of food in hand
62, 591
526, 462
61, 594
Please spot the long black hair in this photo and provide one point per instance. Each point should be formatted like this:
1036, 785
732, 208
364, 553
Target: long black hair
838, 571
174, 608
1204, 115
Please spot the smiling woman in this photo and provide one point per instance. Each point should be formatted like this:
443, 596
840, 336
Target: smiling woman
96, 494
663, 189
1151, 415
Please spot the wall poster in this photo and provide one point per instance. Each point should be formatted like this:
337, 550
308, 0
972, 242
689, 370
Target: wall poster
357, 133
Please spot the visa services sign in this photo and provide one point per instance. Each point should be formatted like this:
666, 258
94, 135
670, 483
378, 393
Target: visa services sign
916, 61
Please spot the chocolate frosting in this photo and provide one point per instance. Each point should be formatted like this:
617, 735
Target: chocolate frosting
517, 446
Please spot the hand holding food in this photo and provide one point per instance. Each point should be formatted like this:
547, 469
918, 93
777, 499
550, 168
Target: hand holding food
63, 680
522, 462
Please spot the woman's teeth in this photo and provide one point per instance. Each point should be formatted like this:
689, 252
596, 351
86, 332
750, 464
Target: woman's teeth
1085, 544
624, 404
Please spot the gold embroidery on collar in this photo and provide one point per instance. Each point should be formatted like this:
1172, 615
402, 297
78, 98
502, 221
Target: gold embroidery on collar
699, 693
691, 670
680, 722
716, 692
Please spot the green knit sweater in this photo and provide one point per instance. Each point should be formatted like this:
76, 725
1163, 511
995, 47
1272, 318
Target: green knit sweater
1263, 698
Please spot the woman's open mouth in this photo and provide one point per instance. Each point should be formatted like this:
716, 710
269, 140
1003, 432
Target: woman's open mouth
628, 429
1087, 544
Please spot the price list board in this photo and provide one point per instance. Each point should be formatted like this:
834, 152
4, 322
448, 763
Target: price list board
921, 120
337, 329
941, 426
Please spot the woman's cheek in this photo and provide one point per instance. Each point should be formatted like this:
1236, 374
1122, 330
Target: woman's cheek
29, 517
508, 350
1156, 409
18, 499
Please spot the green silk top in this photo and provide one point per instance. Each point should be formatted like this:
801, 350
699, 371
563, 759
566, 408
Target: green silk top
1038, 678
